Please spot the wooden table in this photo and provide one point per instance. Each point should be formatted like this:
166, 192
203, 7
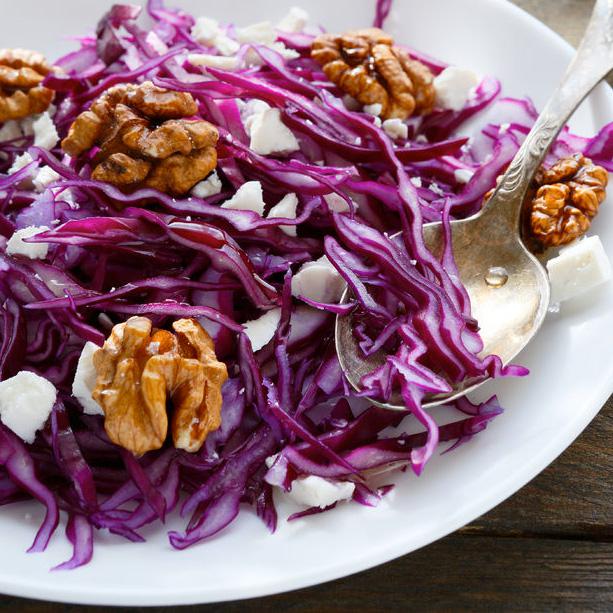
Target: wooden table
548, 548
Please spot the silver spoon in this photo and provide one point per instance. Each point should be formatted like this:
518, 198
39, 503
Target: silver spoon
507, 285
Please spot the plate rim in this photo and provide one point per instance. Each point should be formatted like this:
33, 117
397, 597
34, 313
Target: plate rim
379, 553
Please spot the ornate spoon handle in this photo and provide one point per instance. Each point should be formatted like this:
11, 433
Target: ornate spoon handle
594, 59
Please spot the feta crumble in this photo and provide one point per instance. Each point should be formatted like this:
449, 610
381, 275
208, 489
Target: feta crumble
580, 267
226, 45
259, 33
314, 491
463, 175
261, 330
336, 203
396, 128
435, 188
214, 61
211, 186
250, 109
26, 401
453, 87
248, 197
252, 57
44, 177
286, 207
45, 134
270, 135
318, 281
34, 251
373, 109
21, 161
416, 181
295, 20
206, 30
85, 380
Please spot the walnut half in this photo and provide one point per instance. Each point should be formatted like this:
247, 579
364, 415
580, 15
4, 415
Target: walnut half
21, 91
145, 138
139, 368
366, 65
567, 199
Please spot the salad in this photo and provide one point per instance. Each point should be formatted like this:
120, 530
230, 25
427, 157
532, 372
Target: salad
184, 203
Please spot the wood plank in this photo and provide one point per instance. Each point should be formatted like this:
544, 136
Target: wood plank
567, 17
460, 573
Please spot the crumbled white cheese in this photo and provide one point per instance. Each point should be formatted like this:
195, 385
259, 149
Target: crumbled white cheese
226, 45
214, 61
248, 197
44, 177
285, 52
435, 188
252, 57
26, 401
251, 108
271, 459
294, 21
85, 380
336, 203
261, 330
211, 186
21, 161
10, 130
580, 267
318, 281
206, 30
67, 195
34, 251
416, 181
286, 207
45, 134
270, 135
463, 175
314, 491
396, 128
373, 109
453, 87
260, 33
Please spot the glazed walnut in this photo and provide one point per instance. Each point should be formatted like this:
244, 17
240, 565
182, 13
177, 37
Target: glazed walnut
366, 65
567, 199
21, 91
139, 368
145, 139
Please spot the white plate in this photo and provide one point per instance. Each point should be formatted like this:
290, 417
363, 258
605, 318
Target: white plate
572, 369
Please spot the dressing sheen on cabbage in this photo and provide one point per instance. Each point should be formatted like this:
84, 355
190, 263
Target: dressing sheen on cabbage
287, 410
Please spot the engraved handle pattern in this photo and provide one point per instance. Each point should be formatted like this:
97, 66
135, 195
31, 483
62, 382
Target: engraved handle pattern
593, 61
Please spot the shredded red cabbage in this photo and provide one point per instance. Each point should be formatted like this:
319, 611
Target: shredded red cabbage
287, 410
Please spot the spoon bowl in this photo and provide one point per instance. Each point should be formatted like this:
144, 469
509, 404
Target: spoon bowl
508, 287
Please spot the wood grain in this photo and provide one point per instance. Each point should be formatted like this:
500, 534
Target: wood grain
548, 548
459, 573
